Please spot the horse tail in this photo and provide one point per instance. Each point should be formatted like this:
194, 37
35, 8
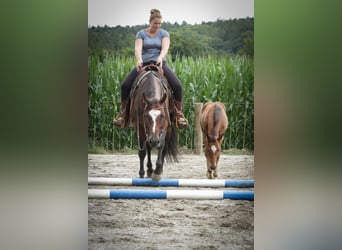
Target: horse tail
171, 151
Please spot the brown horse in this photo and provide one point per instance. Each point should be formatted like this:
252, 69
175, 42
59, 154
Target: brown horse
214, 123
152, 116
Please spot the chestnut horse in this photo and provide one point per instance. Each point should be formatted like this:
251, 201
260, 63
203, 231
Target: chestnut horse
152, 117
214, 123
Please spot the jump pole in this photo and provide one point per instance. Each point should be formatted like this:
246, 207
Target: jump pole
170, 194
170, 182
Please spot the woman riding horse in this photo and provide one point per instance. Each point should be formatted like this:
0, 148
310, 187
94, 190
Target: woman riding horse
151, 44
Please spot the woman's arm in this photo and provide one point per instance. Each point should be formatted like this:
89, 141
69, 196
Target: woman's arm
164, 50
138, 52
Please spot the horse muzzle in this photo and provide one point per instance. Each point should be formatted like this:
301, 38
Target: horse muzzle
213, 167
154, 142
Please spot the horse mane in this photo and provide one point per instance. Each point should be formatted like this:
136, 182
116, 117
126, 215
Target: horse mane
217, 114
150, 92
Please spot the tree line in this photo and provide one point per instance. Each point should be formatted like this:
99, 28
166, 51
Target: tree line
229, 37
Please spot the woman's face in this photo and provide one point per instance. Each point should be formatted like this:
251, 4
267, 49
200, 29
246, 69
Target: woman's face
155, 23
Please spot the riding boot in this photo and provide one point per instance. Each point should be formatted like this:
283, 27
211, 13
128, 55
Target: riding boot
121, 119
181, 121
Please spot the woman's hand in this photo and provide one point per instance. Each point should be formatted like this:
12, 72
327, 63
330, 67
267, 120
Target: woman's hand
159, 62
139, 64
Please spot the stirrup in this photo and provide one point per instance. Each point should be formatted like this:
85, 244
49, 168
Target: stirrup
181, 122
119, 121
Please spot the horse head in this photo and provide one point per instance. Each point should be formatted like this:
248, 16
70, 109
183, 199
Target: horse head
155, 120
212, 150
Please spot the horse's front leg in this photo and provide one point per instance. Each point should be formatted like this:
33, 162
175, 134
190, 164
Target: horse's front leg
215, 170
209, 169
149, 161
142, 155
156, 176
209, 173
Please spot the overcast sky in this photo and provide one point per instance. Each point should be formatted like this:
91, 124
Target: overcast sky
136, 12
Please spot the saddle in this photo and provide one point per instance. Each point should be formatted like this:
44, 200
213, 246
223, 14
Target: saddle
152, 65
146, 69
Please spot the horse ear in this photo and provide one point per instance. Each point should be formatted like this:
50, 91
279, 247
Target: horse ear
204, 106
162, 100
222, 105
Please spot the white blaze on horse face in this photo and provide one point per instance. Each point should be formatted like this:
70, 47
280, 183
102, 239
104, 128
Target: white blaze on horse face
213, 148
154, 114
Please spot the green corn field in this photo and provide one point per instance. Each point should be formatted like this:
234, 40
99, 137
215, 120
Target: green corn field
229, 79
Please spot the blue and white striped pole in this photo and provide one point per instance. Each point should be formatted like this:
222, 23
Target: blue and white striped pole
170, 194
169, 182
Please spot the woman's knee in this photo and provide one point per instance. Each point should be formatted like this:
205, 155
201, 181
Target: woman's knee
127, 83
174, 82
171, 76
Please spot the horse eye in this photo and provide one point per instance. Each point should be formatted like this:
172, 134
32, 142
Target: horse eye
147, 117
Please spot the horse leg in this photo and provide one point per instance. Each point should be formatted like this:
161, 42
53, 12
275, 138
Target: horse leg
156, 176
142, 149
215, 173
149, 162
215, 170
142, 154
209, 170
209, 175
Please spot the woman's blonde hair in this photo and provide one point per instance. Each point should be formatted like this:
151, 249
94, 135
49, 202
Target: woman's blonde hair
155, 13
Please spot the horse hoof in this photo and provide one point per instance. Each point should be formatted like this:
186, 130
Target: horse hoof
156, 177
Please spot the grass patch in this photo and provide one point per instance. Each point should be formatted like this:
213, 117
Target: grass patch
96, 150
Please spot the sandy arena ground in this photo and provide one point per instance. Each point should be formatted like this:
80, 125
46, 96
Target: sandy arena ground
170, 224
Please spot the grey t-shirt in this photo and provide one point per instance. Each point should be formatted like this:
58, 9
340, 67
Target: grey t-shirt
151, 46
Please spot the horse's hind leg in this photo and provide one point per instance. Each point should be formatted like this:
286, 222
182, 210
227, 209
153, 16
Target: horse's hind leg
142, 154
149, 162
